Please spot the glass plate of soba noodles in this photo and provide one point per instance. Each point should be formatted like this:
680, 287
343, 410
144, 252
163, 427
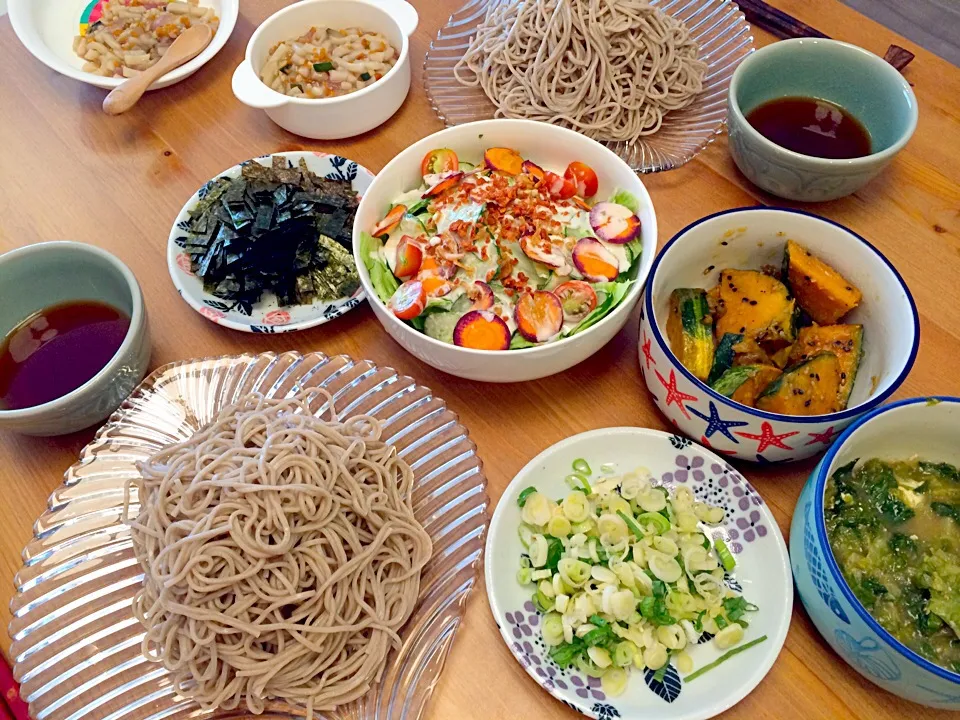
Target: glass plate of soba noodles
651, 83
254, 534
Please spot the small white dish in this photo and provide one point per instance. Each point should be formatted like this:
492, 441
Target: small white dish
267, 316
749, 529
336, 117
47, 28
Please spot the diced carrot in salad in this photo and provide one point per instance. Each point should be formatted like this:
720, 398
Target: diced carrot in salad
504, 254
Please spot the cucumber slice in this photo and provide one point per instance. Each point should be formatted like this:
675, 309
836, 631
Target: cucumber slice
440, 325
480, 269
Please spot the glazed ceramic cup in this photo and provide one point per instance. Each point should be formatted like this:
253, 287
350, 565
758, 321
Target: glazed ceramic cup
749, 238
924, 427
38, 276
867, 86
553, 148
336, 117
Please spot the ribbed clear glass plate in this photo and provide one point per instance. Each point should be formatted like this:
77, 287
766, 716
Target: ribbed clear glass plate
717, 25
76, 643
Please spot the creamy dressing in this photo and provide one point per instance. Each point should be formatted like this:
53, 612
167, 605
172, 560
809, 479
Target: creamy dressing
470, 213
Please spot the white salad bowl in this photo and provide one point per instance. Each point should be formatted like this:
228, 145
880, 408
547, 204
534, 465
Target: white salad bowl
47, 28
749, 238
336, 117
553, 148
762, 574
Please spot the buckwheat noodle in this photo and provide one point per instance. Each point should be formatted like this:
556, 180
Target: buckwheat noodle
281, 555
609, 69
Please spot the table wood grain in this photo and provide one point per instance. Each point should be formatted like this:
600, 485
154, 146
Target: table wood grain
70, 172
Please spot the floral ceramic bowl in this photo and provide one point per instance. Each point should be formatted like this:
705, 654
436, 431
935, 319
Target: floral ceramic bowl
762, 573
750, 238
920, 426
267, 316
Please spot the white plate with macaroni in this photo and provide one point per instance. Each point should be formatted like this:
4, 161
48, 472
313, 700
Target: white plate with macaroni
649, 663
48, 28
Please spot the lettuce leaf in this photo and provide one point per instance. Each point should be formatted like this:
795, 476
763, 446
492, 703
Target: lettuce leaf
610, 295
383, 281
627, 199
518, 341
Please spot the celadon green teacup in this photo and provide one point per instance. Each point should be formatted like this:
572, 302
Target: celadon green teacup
37, 276
857, 80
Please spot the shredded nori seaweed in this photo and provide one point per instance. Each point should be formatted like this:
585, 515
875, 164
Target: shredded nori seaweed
277, 228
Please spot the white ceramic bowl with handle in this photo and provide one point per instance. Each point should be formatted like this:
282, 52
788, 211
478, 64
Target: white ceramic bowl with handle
750, 238
345, 115
553, 148
47, 28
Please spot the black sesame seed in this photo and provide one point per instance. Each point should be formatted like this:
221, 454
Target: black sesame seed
753, 302
724, 243
806, 404
743, 299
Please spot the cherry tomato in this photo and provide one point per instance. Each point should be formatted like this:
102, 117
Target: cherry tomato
558, 187
409, 300
409, 257
577, 298
438, 161
392, 219
583, 177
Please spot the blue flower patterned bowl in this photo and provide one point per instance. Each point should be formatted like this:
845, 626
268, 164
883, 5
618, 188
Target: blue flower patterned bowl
920, 426
267, 316
749, 529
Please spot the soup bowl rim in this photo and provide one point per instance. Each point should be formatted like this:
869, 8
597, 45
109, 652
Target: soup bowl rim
820, 476
136, 321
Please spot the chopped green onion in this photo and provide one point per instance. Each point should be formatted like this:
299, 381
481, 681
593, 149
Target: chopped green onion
524, 494
608, 468
723, 658
726, 557
323, 66
564, 655
579, 482
632, 525
524, 576
659, 522
365, 76
721, 621
581, 466
525, 561
661, 671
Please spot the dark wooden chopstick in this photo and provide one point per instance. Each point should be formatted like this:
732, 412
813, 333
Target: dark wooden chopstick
782, 25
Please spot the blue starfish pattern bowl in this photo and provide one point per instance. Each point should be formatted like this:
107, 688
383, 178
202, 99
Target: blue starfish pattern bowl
751, 238
762, 574
920, 426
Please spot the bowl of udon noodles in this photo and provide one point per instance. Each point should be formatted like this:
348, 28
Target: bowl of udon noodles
329, 69
648, 78
293, 535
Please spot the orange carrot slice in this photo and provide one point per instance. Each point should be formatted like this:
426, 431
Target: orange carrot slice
481, 330
539, 315
392, 219
504, 160
594, 261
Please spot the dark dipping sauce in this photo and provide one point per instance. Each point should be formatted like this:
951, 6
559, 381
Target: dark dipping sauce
56, 350
811, 127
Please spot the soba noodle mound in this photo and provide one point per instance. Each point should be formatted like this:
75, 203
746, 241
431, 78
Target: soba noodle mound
610, 69
281, 555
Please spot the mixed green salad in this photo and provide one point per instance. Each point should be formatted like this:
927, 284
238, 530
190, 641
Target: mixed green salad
503, 255
626, 577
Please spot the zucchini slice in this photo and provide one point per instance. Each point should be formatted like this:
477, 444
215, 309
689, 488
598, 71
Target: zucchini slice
689, 330
819, 289
757, 306
844, 341
743, 383
810, 388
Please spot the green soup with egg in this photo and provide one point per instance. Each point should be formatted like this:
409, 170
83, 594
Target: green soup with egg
894, 528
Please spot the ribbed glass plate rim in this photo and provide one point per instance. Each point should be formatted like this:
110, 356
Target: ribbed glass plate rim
718, 25
75, 641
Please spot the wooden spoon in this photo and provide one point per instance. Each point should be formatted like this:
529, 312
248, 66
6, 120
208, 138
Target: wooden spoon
187, 46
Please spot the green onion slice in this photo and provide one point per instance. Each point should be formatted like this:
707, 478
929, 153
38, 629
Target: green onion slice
323, 66
723, 658
579, 482
726, 557
581, 466
524, 494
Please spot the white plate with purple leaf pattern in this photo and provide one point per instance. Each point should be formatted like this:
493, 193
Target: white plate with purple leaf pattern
267, 316
762, 574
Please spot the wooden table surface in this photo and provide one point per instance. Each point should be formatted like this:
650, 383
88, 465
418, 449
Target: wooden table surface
70, 172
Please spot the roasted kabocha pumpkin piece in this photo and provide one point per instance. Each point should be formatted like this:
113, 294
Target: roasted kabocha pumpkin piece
844, 341
690, 331
743, 383
756, 306
821, 291
810, 388
724, 355
748, 352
